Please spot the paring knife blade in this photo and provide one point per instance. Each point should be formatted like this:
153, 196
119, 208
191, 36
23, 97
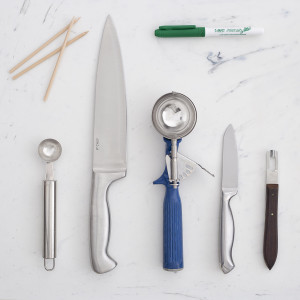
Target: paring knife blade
230, 161
109, 151
229, 189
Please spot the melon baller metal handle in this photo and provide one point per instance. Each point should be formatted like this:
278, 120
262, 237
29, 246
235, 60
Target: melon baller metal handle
49, 224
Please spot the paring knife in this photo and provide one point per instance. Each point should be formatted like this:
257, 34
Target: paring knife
271, 226
109, 152
229, 190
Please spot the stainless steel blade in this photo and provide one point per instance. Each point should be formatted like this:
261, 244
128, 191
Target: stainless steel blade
230, 161
109, 154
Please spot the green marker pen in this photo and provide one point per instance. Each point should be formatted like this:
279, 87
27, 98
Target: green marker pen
193, 31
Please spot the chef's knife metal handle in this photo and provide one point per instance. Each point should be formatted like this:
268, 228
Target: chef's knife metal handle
227, 232
49, 224
100, 222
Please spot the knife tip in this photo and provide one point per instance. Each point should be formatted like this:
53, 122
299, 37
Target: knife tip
108, 18
229, 130
229, 127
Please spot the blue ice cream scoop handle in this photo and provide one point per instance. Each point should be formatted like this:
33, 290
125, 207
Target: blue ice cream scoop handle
172, 230
173, 248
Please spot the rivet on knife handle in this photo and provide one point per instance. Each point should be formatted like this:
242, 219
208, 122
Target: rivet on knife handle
271, 222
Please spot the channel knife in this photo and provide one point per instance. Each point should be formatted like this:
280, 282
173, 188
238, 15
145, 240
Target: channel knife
271, 223
109, 151
229, 190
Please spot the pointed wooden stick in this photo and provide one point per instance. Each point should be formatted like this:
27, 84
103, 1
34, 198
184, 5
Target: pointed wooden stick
58, 60
48, 56
41, 47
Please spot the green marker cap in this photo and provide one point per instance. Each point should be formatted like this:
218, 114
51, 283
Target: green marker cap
180, 31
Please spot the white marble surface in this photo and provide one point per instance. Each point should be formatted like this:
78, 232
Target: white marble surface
250, 82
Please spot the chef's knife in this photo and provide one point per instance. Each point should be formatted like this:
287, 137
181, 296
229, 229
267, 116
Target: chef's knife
229, 190
271, 223
109, 152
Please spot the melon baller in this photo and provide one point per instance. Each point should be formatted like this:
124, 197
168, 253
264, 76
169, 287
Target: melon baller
174, 116
49, 150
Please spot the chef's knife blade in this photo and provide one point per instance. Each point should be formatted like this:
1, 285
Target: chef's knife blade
110, 106
229, 189
109, 151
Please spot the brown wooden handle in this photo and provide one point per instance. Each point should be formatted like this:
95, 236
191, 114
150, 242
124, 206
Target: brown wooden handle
271, 225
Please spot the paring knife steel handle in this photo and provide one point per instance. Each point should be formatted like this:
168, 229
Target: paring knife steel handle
49, 224
271, 225
100, 222
227, 232
172, 233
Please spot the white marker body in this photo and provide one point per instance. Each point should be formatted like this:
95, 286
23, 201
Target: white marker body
233, 31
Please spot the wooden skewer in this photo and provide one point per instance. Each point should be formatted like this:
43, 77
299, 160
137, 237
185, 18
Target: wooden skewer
41, 47
48, 56
58, 60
